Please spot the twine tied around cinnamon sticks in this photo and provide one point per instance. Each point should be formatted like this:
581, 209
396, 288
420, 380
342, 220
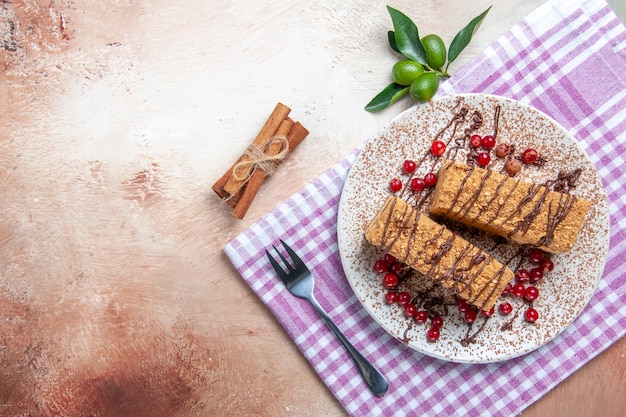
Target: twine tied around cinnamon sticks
279, 136
259, 159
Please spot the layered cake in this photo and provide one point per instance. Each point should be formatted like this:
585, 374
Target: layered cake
439, 254
525, 213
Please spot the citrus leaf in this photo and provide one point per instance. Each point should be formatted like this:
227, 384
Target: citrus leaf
407, 36
463, 38
391, 35
389, 95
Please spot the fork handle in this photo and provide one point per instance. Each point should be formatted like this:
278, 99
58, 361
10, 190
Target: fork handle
374, 380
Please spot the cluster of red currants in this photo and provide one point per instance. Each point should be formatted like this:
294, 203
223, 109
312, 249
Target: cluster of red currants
416, 183
470, 313
390, 268
524, 287
512, 165
485, 144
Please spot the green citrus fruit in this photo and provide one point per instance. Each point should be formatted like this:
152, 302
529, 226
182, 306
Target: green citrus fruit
435, 51
406, 71
424, 87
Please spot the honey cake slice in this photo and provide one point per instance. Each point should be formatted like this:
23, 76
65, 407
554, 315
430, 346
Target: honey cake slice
525, 213
436, 252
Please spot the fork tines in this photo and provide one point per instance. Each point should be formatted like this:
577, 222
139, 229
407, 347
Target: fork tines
295, 260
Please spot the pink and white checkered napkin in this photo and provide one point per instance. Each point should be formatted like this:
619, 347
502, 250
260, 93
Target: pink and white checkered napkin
567, 59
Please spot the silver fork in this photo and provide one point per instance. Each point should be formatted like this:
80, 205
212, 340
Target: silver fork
299, 281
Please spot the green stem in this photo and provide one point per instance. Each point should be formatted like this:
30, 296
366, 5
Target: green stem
441, 73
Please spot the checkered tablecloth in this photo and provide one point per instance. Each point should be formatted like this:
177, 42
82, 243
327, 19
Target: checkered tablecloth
568, 59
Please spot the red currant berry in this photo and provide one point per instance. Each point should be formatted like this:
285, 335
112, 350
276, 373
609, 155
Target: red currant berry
502, 150
397, 268
409, 166
505, 308
536, 274
391, 297
437, 322
529, 156
404, 298
433, 334
389, 258
470, 315
489, 142
417, 184
462, 305
476, 141
395, 185
483, 159
546, 265
438, 148
430, 179
531, 293
522, 276
390, 280
531, 315
381, 266
410, 310
421, 316
535, 256
519, 290
488, 313
508, 289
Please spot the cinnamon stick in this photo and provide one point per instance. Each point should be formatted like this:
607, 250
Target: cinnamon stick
268, 130
218, 187
259, 175
238, 193
296, 135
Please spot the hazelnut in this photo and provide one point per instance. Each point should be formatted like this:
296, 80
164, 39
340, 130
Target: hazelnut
502, 150
513, 166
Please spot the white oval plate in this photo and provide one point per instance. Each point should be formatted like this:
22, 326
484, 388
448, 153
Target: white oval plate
564, 292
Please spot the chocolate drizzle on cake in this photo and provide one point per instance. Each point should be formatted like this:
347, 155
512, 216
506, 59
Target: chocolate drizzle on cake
556, 217
467, 270
523, 226
524, 214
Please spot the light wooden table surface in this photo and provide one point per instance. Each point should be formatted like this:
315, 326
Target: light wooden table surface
116, 116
